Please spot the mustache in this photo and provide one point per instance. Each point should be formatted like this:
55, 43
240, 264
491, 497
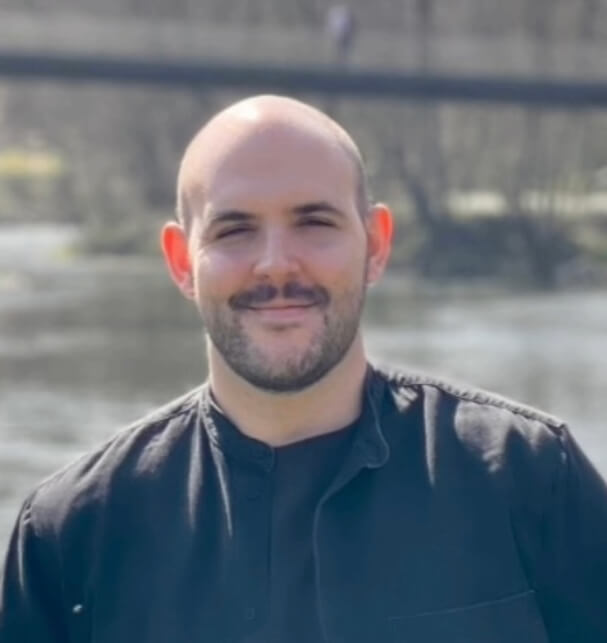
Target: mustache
291, 291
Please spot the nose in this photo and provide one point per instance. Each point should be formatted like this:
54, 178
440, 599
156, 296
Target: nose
276, 258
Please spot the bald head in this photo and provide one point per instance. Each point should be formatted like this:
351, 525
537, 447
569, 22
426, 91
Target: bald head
255, 126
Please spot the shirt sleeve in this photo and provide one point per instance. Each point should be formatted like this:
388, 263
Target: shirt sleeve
572, 587
30, 587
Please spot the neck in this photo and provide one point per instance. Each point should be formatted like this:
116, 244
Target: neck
281, 418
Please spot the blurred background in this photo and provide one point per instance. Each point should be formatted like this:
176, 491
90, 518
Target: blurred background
499, 271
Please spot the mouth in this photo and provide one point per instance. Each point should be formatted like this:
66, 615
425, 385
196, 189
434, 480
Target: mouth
283, 313
285, 306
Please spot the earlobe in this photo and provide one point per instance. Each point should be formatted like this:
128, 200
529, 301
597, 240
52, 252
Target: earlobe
174, 245
380, 231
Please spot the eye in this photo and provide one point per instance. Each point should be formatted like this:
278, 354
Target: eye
233, 232
314, 221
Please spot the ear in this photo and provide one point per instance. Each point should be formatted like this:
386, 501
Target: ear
174, 244
379, 233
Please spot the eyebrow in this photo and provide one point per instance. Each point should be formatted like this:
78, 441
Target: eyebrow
229, 216
316, 206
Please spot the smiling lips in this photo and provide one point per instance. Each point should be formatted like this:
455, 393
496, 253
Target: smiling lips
286, 312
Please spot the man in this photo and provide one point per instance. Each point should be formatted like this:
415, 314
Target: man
341, 28
302, 495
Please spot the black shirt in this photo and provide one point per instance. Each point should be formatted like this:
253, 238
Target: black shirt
455, 516
301, 473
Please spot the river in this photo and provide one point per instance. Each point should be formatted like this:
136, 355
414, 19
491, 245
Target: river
88, 345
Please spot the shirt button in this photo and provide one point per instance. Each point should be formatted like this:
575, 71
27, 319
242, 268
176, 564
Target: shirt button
250, 613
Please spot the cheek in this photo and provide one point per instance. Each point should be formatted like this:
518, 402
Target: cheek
344, 265
217, 275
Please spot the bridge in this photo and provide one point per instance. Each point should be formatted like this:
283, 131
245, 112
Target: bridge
507, 69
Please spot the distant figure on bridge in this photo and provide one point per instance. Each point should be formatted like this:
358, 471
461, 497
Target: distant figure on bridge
341, 28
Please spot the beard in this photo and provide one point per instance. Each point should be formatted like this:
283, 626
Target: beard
325, 349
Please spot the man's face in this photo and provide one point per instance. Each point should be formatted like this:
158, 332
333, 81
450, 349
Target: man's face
279, 258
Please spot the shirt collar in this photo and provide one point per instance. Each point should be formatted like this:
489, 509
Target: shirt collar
228, 438
369, 444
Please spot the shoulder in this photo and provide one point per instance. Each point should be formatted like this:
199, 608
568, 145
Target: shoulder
135, 452
500, 433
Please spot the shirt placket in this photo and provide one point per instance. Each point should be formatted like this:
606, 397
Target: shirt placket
252, 490
368, 450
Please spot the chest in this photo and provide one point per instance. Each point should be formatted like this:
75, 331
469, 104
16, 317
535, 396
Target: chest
389, 558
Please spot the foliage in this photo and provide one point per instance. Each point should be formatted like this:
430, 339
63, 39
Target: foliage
116, 150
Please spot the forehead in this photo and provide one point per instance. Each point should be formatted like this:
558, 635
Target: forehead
243, 162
